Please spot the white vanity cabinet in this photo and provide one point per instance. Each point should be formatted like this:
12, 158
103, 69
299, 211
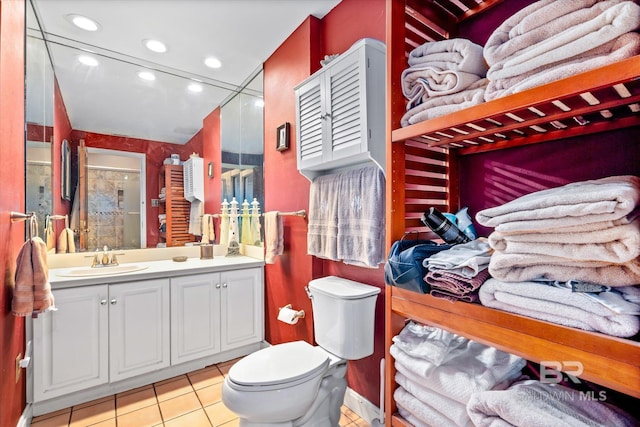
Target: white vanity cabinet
100, 334
215, 312
71, 344
340, 111
138, 328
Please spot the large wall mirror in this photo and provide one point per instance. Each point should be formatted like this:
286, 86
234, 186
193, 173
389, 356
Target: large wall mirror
105, 102
39, 118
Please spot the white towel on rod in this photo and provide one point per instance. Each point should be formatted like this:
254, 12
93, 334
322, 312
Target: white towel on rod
273, 236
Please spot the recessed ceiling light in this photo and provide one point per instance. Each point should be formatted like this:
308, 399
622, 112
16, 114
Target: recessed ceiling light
88, 60
155, 45
147, 75
83, 22
194, 87
212, 62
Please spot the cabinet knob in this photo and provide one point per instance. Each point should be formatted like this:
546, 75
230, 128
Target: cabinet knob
224, 285
114, 301
217, 285
103, 302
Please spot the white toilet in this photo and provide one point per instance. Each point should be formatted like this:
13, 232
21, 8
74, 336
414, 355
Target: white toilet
295, 383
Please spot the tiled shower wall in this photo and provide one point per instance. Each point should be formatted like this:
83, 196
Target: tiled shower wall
39, 197
114, 209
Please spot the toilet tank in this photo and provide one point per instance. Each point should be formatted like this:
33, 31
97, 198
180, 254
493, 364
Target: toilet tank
343, 316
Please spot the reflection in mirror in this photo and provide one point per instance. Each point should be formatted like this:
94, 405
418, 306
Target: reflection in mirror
39, 118
242, 134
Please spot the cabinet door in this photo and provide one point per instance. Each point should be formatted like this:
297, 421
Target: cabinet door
138, 328
71, 344
311, 119
241, 308
195, 317
345, 103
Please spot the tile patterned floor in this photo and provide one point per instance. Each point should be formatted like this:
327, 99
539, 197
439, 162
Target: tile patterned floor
190, 400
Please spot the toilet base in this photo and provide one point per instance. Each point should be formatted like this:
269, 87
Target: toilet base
325, 410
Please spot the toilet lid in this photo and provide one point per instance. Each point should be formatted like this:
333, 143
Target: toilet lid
279, 364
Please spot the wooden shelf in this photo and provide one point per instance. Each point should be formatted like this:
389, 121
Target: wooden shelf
595, 101
609, 361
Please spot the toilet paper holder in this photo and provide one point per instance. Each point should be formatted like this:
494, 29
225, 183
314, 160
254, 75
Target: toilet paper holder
299, 314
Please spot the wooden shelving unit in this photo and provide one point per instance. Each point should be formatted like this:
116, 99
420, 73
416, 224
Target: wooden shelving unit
422, 172
175, 206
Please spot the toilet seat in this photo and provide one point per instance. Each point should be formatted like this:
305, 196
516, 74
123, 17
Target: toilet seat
282, 365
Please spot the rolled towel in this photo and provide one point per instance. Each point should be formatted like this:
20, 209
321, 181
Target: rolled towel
617, 244
455, 54
556, 305
585, 202
445, 104
420, 83
534, 403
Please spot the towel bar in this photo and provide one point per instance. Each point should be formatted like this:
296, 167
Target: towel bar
19, 216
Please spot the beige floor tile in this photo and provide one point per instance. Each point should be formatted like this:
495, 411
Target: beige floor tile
232, 423
169, 390
180, 405
196, 418
134, 401
219, 414
134, 390
107, 423
344, 420
360, 423
93, 402
145, 417
210, 395
205, 377
93, 414
51, 415
349, 413
60, 420
225, 369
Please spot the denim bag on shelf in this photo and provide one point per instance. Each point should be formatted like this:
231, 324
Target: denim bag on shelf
404, 267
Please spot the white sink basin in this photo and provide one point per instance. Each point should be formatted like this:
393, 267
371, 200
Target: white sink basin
101, 271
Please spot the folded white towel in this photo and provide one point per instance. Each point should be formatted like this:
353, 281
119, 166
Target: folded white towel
208, 232
465, 259
526, 267
432, 344
534, 403
605, 199
195, 217
565, 37
452, 54
322, 230
617, 244
423, 412
435, 406
556, 305
273, 236
477, 368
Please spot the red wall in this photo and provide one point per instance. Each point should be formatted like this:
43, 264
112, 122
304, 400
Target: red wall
211, 152
286, 189
12, 18
61, 131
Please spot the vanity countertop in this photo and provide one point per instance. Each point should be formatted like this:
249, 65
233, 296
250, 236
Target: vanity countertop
154, 270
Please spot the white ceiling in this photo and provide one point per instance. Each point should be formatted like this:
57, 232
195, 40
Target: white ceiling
111, 99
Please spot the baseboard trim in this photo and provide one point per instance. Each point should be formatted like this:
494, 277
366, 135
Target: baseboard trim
26, 417
361, 406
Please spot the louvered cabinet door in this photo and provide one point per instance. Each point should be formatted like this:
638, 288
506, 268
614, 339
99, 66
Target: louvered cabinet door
312, 121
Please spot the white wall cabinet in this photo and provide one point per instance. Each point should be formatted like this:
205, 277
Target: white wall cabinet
215, 312
71, 344
340, 111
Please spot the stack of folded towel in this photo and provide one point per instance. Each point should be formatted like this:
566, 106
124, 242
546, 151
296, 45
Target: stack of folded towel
535, 403
443, 77
437, 372
585, 231
457, 273
550, 40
